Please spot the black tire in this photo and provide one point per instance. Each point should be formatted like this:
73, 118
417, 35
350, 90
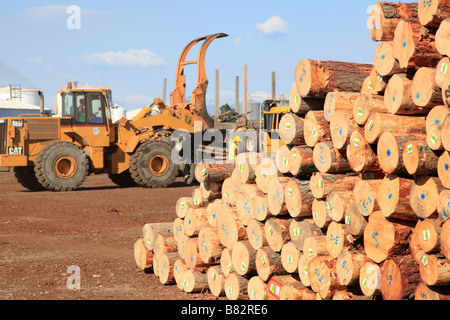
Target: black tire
123, 179
189, 174
27, 178
151, 166
61, 166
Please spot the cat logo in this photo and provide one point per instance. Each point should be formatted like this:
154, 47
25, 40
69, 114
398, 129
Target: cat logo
15, 151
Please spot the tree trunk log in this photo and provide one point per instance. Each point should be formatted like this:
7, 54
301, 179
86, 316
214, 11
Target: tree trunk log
323, 276
195, 220
337, 203
367, 104
277, 233
268, 263
399, 278
320, 213
425, 92
355, 222
260, 208
329, 159
225, 262
365, 196
142, 256
335, 101
360, 154
167, 267
216, 281
300, 230
316, 128
322, 184
291, 129
348, 267
342, 125
275, 195
301, 106
243, 258
210, 248
443, 206
419, 158
315, 246
424, 196
442, 40
432, 13
289, 257
394, 198
445, 239
434, 123
212, 172
150, 232
338, 239
298, 198
435, 270
385, 62
296, 291
443, 169
301, 161
183, 205
369, 279
423, 292
194, 281
257, 289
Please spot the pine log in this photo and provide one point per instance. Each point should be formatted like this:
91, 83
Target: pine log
268, 263
446, 97
275, 196
142, 256
216, 281
383, 239
365, 195
423, 292
255, 234
432, 13
257, 289
246, 163
231, 230
211, 211
277, 232
442, 37
443, 206
335, 101
195, 220
378, 123
445, 133
260, 208
301, 161
298, 198
265, 171
445, 239
296, 291
365, 105
209, 247
275, 284
229, 191
441, 70
300, 230
428, 235
213, 172
329, 159
320, 213
182, 206
167, 267
348, 267
291, 128
414, 247
244, 201
283, 155
369, 279
150, 232
434, 270
191, 255
377, 82
347, 295
289, 257
243, 258
194, 281
390, 150
354, 221
337, 203
316, 128
394, 198
434, 122
424, 90
322, 184
303, 271
316, 78
399, 278
385, 62
342, 125
301, 106
443, 169
210, 191
338, 239
419, 158
361, 155
415, 45
179, 268
181, 245
225, 262
315, 246
424, 195
178, 228
323, 276
398, 98
385, 16
165, 242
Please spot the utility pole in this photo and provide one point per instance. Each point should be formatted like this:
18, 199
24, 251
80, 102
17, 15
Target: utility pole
274, 94
237, 95
217, 96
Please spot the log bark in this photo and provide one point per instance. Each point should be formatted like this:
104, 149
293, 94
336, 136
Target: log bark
329, 159
277, 233
300, 230
378, 123
390, 149
301, 161
394, 198
142, 256
216, 281
348, 267
298, 198
289, 257
324, 278
365, 105
316, 78
302, 106
268, 263
432, 13
385, 16
443, 169
399, 278
383, 239
342, 125
415, 45
257, 289
419, 158
291, 128
361, 155
322, 184
335, 101
316, 128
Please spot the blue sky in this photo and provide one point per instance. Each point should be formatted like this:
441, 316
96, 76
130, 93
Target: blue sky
133, 45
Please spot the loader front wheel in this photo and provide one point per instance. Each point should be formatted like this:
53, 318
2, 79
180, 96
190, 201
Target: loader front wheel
151, 165
61, 166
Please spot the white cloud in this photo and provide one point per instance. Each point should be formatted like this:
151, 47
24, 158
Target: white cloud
132, 57
139, 99
275, 25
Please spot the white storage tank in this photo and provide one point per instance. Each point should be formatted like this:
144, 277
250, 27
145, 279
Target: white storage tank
26, 96
117, 113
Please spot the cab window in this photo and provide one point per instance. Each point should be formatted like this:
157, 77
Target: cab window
95, 114
67, 105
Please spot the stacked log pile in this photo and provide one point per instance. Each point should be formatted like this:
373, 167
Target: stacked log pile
354, 205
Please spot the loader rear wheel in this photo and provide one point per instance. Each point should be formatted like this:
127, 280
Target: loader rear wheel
61, 166
151, 165
27, 178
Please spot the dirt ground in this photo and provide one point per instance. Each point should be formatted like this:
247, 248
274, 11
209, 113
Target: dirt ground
93, 228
